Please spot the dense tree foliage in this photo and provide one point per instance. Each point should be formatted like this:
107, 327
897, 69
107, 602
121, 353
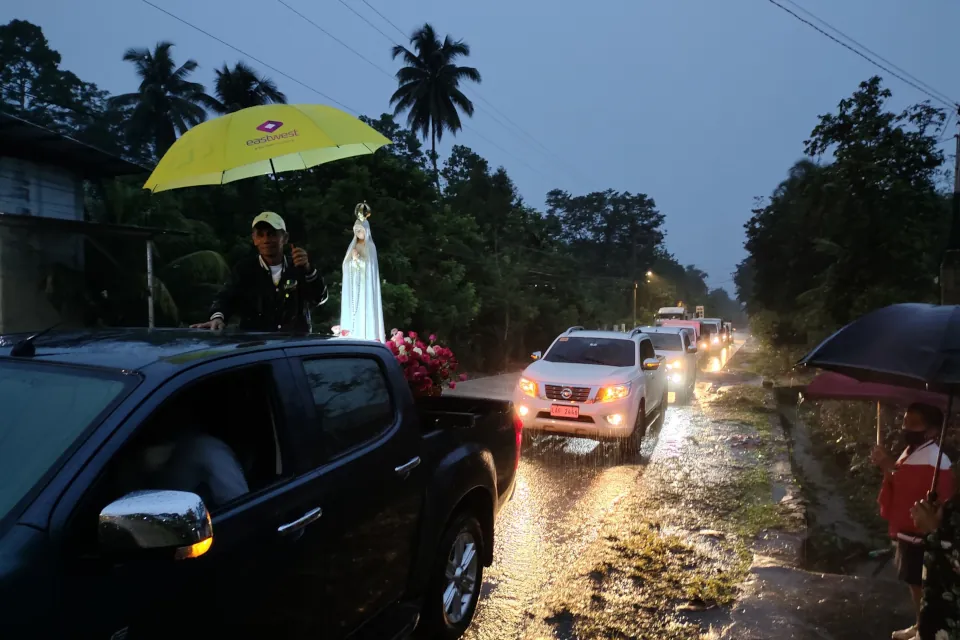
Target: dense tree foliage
857, 225
472, 262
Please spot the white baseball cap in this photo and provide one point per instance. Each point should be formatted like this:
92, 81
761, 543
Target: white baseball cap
271, 219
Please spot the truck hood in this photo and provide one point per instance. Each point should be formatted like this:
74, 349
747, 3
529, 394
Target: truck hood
592, 375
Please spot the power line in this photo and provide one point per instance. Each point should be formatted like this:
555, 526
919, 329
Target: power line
942, 95
916, 86
338, 40
405, 36
364, 18
247, 55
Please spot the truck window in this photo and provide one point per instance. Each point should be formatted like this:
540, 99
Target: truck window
667, 341
646, 350
353, 405
46, 409
610, 352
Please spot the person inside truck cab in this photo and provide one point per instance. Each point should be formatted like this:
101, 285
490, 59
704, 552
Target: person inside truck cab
179, 455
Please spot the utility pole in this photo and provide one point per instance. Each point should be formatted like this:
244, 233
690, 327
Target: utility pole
950, 267
634, 304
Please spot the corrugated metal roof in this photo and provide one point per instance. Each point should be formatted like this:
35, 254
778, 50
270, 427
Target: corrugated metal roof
84, 227
22, 139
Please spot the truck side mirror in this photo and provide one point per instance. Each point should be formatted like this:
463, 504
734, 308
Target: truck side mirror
651, 364
692, 348
536, 355
175, 524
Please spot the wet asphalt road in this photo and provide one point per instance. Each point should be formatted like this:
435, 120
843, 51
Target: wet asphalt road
565, 489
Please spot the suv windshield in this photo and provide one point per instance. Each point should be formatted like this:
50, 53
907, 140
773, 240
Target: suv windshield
45, 409
666, 341
611, 352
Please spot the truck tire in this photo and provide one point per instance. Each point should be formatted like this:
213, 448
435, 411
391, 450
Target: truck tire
455, 581
630, 445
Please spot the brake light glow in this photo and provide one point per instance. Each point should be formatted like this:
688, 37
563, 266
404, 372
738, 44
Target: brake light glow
518, 431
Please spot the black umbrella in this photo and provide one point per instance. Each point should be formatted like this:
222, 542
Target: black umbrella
907, 345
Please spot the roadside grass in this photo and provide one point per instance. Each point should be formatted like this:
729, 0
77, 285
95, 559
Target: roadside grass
643, 574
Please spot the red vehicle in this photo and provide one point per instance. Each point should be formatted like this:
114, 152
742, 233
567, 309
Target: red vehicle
694, 324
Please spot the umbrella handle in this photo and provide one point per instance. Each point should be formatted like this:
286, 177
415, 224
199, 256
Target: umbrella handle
879, 433
932, 496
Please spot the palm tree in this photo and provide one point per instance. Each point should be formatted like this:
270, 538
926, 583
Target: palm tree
167, 103
241, 87
430, 86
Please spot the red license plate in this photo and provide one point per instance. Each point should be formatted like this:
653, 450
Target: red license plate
564, 411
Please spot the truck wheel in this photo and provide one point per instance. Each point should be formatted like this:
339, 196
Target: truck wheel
454, 589
631, 444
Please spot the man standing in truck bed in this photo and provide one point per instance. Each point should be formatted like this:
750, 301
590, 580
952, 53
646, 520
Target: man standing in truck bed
269, 291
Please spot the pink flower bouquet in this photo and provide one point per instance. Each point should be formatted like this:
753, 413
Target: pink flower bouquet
427, 366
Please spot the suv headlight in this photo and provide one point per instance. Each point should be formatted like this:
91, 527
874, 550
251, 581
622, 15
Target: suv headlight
613, 392
676, 364
529, 387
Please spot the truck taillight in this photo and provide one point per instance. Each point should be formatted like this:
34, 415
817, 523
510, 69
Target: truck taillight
518, 431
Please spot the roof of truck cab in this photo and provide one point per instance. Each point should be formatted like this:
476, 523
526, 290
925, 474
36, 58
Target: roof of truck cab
132, 349
614, 335
674, 330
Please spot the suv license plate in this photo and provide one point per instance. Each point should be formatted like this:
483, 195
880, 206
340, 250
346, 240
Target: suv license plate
564, 411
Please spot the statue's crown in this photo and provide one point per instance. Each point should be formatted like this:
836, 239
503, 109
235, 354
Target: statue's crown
362, 211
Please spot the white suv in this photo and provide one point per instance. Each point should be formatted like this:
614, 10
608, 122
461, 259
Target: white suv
678, 345
602, 385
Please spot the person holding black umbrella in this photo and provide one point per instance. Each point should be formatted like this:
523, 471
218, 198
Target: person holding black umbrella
906, 481
873, 349
269, 291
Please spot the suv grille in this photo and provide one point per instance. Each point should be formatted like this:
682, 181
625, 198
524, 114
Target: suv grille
580, 394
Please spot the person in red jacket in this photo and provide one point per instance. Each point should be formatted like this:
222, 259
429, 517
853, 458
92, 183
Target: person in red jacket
906, 481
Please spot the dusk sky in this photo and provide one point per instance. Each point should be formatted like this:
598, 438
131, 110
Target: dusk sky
700, 104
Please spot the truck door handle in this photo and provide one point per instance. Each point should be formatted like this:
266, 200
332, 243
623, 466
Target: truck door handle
301, 522
406, 468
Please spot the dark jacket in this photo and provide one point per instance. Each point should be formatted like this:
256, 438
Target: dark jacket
263, 306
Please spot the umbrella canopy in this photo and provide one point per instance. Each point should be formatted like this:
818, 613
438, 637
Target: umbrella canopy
834, 386
905, 345
260, 141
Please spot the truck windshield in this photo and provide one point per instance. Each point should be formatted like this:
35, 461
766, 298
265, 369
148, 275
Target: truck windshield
45, 409
611, 352
670, 316
666, 341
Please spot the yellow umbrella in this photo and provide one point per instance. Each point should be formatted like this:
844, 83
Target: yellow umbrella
260, 141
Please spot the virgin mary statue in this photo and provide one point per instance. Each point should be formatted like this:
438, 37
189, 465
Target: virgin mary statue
361, 307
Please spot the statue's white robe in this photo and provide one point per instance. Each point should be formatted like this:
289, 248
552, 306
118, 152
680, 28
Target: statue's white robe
361, 307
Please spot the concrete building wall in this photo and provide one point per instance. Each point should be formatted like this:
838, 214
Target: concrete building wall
28, 188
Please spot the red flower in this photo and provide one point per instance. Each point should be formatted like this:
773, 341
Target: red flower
453, 385
463, 377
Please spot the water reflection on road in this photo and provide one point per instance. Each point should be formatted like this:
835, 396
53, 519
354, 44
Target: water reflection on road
565, 488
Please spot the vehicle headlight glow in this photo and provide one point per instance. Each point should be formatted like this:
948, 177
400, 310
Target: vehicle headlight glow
614, 392
676, 364
716, 340
529, 387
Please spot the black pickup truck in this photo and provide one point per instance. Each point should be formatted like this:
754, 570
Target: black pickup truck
174, 483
